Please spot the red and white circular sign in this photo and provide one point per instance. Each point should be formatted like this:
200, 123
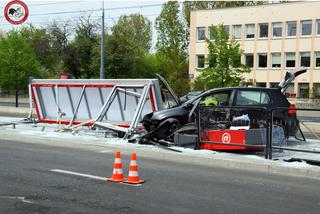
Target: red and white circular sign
226, 138
16, 12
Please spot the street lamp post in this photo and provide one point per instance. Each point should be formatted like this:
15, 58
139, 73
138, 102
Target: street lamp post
102, 71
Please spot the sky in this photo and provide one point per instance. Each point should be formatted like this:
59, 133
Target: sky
43, 12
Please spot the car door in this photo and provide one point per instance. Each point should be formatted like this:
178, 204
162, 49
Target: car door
252, 102
213, 116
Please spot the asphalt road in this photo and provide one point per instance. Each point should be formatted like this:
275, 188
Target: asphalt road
28, 185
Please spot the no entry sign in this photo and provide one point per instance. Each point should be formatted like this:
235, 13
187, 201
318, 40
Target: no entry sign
16, 12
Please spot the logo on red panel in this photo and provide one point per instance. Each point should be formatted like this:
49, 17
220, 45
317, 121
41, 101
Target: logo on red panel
16, 12
226, 138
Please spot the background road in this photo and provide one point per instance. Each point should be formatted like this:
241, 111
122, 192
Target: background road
28, 185
13, 104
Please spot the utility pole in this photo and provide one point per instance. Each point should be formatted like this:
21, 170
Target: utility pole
102, 71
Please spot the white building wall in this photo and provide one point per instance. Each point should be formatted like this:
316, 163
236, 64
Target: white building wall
296, 11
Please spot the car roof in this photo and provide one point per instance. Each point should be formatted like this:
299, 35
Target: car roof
229, 89
239, 88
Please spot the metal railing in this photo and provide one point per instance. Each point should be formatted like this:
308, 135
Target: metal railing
204, 112
270, 145
14, 98
204, 120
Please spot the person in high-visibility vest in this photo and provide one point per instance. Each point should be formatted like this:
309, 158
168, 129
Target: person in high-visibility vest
211, 101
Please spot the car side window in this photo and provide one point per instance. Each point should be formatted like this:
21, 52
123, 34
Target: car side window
251, 98
218, 99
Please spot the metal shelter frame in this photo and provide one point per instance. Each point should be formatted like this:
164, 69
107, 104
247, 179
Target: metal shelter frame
134, 123
143, 91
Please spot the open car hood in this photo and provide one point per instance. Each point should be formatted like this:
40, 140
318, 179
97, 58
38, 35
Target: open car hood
290, 76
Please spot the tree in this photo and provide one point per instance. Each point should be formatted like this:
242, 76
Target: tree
39, 40
59, 36
129, 42
172, 46
17, 61
126, 48
60, 43
85, 39
224, 64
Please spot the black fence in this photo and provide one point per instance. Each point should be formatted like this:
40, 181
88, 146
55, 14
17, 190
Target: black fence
282, 110
23, 93
259, 129
15, 98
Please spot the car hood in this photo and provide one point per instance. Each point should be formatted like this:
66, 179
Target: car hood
170, 113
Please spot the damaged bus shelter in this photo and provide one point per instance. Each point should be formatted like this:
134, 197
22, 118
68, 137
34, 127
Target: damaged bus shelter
118, 105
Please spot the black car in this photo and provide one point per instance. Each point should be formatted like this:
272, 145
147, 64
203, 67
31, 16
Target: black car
161, 124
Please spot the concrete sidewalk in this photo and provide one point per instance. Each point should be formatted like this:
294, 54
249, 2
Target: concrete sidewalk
7, 111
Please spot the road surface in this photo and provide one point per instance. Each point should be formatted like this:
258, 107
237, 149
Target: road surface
13, 104
28, 185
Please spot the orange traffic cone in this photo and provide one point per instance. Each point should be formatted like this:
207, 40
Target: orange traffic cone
117, 175
133, 177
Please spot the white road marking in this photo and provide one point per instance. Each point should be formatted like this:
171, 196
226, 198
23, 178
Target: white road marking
106, 151
88, 176
20, 198
78, 174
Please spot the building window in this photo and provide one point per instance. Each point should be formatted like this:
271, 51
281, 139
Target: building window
237, 31
262, 60
250, 31
303, 89
318, 26
277, 29
200, 61
226, 29
291, 28
201, 33
263, 30
306, 28
305, 59
249, 60
317, 58
290, 60
276, 60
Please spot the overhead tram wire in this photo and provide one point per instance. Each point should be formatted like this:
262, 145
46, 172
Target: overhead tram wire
62, 21
54, 3
51, 3
92, 10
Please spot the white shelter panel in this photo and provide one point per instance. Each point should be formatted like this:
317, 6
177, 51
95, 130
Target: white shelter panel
66, 94
96, 99
124, 105
65, 102
48, 105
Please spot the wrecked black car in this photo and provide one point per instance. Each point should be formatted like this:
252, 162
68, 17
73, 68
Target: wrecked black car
162, 125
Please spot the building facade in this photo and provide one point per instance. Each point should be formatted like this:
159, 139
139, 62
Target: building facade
275, 38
